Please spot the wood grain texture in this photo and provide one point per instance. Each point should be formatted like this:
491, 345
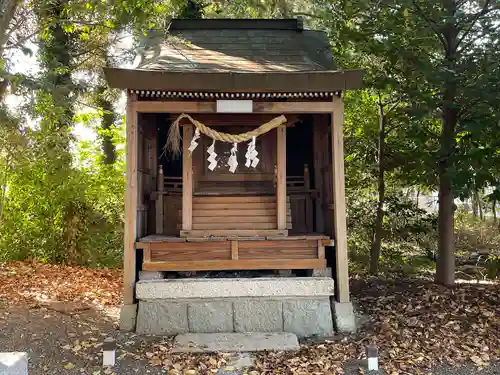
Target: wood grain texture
235, 212
146, 248
190, 251
281, 178
231, 219
240, 264
234, 199
234, 250
130, 203
234, 206
278, 253
210, 107
187, 178
278, 243
230, 225
338, 192
234, 233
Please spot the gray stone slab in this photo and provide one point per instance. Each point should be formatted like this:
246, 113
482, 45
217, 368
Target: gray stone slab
162, 318
14, 363
258, 316
308, 317
228, 288
128, 315
234, 342
152, 275
343, 314
322, 272
213, 316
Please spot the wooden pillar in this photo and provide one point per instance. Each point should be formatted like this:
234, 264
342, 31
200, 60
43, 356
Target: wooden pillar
187, 178
159, 200
281, 178
339, 209
129, 267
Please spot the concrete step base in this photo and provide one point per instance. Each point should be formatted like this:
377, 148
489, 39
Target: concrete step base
234, 342
14, 363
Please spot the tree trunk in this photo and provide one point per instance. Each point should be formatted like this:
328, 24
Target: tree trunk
480, 207
379, 220
445, 267
494, 210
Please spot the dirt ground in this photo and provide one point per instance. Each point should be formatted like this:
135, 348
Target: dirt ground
60, 316
61, 343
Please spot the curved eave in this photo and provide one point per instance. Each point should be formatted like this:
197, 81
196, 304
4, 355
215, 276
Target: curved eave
339, 80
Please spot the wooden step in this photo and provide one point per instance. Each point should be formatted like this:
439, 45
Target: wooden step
234, 233
236, 199
235, 225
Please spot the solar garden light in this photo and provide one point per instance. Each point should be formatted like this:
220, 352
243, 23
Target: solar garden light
372, 355
109, 352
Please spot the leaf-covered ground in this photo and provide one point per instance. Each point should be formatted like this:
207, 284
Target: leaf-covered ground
417, 326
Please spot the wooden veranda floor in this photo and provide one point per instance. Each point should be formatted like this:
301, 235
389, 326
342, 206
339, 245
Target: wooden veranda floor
163, 253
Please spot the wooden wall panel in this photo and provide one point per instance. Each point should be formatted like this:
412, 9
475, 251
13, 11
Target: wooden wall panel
287, 249
301, 213
172, 251
172, 205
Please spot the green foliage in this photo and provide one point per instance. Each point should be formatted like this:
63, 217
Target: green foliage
70, 215
409, 234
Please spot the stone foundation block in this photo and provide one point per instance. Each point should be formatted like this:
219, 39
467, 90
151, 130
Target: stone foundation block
162, 318
308, 317
208, 317
14, 363
128, 314
152, 275
258, 316
345, 320
322, 272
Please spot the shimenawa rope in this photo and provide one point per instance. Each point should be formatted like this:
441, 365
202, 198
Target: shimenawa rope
173, 140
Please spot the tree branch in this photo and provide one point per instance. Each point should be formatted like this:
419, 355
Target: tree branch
432, 24
475, 17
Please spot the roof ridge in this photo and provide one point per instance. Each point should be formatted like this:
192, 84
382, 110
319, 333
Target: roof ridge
237, 24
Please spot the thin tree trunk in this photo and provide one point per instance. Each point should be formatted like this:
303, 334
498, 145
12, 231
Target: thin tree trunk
377, 238
445, 267
480, 207
494, 210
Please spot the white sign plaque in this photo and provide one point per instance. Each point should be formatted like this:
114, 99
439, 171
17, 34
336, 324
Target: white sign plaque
234, 106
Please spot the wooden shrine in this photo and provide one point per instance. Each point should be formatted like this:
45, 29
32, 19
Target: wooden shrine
286, 213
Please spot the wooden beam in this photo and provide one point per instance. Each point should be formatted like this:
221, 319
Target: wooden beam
241, 264
281, 178
339, 209
292, 107
130, 203
234, 250
187, 178
210, 107
159, 200
146, 249
321, 249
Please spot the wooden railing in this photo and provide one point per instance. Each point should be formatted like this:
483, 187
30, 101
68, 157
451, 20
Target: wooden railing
298, 183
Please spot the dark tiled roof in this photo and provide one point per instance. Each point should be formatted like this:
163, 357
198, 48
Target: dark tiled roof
236, 46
